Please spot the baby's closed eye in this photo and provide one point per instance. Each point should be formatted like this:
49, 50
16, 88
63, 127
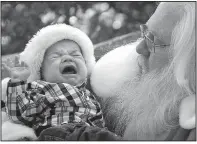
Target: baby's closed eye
53, 56
76, 54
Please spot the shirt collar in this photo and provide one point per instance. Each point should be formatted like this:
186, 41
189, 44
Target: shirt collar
82, 86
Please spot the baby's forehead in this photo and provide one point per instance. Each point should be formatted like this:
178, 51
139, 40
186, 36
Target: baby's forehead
64, 45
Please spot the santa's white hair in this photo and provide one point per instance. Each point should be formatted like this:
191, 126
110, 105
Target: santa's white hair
183, 38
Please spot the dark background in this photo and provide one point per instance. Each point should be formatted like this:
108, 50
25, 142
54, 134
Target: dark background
100, 20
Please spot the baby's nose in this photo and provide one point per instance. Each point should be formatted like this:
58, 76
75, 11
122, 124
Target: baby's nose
67, 58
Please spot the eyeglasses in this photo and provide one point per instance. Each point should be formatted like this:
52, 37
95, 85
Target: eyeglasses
150, 38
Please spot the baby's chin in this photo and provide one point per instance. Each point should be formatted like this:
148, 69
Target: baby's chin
72, 80
69, 80
114, 69
61, 79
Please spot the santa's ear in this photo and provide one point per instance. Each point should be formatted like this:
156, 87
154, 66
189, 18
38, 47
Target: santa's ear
187, 118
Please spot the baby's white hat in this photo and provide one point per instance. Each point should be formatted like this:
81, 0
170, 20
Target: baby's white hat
34, 51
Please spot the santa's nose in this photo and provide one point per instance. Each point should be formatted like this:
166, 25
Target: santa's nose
142, 48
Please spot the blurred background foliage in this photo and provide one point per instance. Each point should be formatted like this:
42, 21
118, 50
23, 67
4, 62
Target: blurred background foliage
100, 20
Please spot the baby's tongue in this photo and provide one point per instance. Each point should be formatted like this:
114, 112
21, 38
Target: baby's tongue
69, 70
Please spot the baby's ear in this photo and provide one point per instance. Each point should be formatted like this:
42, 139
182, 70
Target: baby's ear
187, 118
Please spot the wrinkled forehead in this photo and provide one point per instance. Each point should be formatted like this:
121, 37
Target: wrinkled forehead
166, 16
63, 45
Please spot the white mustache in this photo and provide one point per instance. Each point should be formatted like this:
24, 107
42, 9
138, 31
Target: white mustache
113, 69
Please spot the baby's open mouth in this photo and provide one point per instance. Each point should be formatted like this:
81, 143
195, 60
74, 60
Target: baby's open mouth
69, 69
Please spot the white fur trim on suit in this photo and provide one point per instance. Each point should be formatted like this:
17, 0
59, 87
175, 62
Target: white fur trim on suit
4, 117
4, 84
47, 36
12, 131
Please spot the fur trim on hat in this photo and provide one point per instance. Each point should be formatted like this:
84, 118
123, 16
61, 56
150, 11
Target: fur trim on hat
47, 36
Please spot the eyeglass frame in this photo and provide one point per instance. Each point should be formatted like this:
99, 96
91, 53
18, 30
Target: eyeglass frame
144, 36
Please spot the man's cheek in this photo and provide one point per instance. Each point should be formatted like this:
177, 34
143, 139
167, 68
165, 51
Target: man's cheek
157, 61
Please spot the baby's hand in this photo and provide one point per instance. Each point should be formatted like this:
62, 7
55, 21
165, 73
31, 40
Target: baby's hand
15, 70
9, 71
17, 63
6, 70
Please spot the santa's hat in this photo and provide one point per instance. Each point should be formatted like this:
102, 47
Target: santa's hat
35, 49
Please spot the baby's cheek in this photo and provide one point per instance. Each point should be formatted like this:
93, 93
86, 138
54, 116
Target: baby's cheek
49, 69
158, 61
85, 71
54, 64
81, 68
55, 68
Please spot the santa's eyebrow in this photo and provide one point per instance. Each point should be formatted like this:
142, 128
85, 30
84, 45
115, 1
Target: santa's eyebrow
157, 39
156, 34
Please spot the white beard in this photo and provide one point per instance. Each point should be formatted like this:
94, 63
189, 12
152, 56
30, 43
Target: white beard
139, 108
144, 110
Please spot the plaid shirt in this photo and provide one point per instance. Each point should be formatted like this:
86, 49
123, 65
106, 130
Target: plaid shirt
39, 103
